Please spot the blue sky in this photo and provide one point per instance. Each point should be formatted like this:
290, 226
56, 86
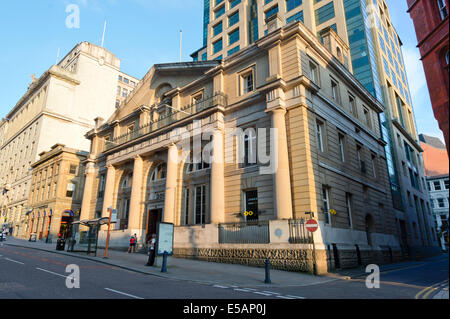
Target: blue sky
142, 33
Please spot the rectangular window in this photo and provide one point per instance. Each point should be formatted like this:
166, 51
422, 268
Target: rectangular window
271, 12
218, 28
233, 19
319, 128
335, 91
446, 184
217, 46
441, 202
437, 185
234, 3
124, 93
374, 165
200, 204
298, 17
292, 4
442, 9
348, 201
233, 37
353, 108
367, 118
326, 204
101, 187
70, 190
73, 169
342, 147
325, 13
233, 50
219, 12
247, 83
251, 205
249, 147
314, 72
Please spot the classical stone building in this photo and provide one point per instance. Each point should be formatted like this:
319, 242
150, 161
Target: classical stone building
57, 108
55, 194
326, 147
376, 60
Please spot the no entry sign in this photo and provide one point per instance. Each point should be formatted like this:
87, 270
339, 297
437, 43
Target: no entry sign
311, 225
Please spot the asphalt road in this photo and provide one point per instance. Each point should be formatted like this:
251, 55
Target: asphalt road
33, 274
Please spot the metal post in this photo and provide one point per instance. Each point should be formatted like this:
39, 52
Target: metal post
267, 264
314, 256
164, 263
107, 236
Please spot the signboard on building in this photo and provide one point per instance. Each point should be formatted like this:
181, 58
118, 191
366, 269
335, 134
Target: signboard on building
165, 238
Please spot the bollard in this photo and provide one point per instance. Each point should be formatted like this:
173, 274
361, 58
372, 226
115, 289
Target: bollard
267, 264
164, 263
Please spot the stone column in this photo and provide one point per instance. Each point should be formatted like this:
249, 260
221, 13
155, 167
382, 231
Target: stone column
171, 184
109, 190
283, 194
217, 179
136, 195
87, 194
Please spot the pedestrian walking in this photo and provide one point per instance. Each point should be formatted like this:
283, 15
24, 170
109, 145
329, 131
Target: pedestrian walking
132, 247
151, 251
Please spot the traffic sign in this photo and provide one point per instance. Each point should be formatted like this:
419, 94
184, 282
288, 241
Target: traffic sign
311, 225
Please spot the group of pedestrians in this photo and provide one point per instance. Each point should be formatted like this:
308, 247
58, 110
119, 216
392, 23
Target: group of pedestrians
151, 248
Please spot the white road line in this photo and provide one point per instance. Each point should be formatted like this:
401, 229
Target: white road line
250, 289
223, 287
122, 293
239, 289
15, 261
270, 292
262, 293
295, 297
284, 297
51, 272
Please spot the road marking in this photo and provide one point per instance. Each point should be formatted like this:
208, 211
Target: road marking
295, 297
424, 293
270, 292
15, 261
223, 287
122, 293
425, 296
239, 289
284, 297
262, 293
51, 272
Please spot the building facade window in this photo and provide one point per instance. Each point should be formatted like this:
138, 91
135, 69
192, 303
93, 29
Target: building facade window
442, 9
200, 205
326, 204
251, 205
247, 82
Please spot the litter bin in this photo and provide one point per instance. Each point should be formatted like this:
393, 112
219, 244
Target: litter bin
60, 244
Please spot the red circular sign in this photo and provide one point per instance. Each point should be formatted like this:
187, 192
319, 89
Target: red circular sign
311, 225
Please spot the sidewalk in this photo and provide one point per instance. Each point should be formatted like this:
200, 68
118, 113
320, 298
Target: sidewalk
443, 294
189, 270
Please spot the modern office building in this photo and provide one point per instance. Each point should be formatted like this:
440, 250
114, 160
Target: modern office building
375, 59
431, 21
58, 107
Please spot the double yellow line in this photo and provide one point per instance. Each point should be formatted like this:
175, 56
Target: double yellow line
425, 293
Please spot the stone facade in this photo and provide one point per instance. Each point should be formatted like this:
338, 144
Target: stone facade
329, 154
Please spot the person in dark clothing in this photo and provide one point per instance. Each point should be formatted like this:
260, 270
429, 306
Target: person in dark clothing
151, 251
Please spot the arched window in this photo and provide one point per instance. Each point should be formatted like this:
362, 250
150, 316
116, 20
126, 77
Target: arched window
159, 172
442, 9
127, 180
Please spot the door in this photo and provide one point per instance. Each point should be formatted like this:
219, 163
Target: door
154, 217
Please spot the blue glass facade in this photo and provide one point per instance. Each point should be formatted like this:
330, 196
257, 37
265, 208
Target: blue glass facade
365, 70
205, 22
253, 29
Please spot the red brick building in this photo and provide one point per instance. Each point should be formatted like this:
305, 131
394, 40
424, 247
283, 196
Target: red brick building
431, 21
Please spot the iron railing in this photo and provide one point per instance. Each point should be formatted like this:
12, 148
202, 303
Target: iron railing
298, 233
172, 117
244, 233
